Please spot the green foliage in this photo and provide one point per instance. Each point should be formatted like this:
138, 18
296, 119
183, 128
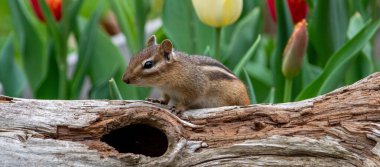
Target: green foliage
251, 89
86, 51
13, 86
239, 67
132, 16
244, 34
284, 27
364, 64
34, 54
114, 90
30, 46
328, 28
43, 48
337, 64
5, 17
182, 26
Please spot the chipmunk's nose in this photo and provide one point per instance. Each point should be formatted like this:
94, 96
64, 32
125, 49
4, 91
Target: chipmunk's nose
126, 79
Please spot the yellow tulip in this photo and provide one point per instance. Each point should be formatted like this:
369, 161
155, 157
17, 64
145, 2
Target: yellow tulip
218, 13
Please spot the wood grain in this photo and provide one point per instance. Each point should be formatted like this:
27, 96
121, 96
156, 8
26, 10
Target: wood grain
340, 128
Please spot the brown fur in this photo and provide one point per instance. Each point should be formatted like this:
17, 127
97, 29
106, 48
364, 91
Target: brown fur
188, 82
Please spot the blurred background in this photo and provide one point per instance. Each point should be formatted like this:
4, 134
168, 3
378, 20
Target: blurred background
284, 50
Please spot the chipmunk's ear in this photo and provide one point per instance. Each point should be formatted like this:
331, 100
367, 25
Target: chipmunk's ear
166, 48
151, 41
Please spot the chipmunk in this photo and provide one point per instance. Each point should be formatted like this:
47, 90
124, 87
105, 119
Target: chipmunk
187, 82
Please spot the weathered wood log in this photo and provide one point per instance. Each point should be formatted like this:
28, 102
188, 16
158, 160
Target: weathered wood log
340, 128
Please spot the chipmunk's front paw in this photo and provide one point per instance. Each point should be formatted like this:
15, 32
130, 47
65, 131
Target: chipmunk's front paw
173, 109
177, 110
155, 100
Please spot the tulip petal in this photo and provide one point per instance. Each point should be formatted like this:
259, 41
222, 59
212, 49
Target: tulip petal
217, 13
295, 51
232, 11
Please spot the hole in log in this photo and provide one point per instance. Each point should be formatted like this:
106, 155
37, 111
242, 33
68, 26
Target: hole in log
138, 139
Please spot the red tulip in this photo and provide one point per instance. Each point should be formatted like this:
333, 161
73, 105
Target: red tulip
295, 50
54, 5
298, 9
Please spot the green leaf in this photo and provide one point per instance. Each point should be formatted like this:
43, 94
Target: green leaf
356, 24
128, 92
177, 19
86, 50
160, 34
260, 80
358, 69
114, 90
359, 6
105, 60
364, 64
124, 11
88, 8
251, 90
141, 13
104, 64
337, 73
49, 88
284, 30
309, 72
260, 72
245, 33
335, 67
100, 91
60, 48
270, 98
11, 76
328, 27
225, 39
239, 67
53, 27
69, 19
5, 17
132, 17
31, 46
204, 36
207, 51
182, 26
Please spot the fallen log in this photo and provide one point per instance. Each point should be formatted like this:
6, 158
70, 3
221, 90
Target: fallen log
340, 128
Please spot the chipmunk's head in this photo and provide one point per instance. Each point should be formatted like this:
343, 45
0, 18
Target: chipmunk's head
148, 67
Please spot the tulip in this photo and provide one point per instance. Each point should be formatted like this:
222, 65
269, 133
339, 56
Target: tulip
298, 9
54, 5
295, 50
218, 13
293, 55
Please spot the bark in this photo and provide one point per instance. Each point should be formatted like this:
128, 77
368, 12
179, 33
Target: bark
340, 128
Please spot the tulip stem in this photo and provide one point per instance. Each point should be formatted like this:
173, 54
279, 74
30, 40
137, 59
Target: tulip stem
62, 71
217, 44
288, 90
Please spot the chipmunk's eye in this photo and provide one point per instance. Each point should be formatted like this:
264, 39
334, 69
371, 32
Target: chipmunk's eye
148, 64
